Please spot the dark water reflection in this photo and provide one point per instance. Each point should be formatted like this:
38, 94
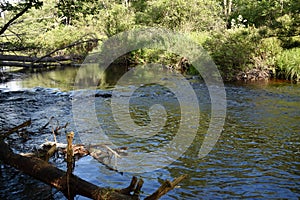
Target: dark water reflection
256, 157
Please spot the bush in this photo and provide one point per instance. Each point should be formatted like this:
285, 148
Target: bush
265, 56
233, 50
242, 50
288, 64
116, 19
184, 15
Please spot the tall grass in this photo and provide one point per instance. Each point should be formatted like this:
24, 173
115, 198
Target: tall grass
288, 64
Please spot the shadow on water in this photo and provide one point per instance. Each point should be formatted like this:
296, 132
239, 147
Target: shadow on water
256, 156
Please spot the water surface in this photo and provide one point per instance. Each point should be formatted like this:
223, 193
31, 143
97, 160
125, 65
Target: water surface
257, 155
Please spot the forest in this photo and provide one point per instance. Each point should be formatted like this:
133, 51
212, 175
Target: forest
247, 39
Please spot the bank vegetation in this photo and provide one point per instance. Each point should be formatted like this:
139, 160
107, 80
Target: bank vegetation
247, 39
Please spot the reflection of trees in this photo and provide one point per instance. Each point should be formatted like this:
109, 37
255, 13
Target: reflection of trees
62, 78
93, 76
89, 75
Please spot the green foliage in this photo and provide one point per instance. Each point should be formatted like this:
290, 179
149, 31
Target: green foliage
184, 15
259, 13
164, 57
42, 31
233, 50
265, 54
258, 36
70, 10
199, 37
116, 19
153, 56
288, 64
243, 49
59, 37
280, 15
7, 5
290, 42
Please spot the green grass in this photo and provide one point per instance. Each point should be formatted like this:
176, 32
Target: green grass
288, 64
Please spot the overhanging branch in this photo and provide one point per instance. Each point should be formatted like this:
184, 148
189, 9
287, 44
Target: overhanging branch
5, 27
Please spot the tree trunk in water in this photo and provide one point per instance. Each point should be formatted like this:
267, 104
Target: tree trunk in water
69, 184
57, 178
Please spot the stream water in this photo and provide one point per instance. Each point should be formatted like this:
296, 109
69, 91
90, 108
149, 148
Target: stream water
257, 155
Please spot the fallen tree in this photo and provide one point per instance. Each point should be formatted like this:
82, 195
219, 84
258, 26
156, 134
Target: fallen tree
17, 58
57, 178
69, 184
46, 60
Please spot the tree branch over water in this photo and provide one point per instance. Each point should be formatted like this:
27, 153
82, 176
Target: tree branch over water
27, 5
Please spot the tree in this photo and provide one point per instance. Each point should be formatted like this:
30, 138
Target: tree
19, 9
227, 6
71, 10
185, 15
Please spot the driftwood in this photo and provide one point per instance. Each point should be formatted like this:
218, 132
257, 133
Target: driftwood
47, 60
50, 152
70, 166
69, 184
57, 178
16, 128
165, 187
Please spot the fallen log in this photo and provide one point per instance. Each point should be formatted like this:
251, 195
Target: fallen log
32, 59
29, 65
79, 42
57, 178
69, 184
50, 152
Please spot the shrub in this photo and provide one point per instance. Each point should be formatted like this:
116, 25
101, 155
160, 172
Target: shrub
116, 19
265, 55
184, 15
233, 50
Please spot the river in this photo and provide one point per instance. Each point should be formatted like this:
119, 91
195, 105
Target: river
257, 155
